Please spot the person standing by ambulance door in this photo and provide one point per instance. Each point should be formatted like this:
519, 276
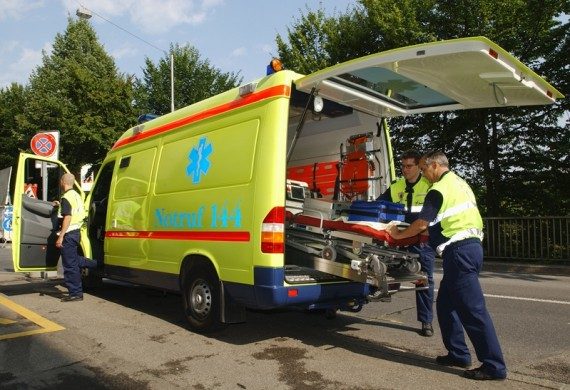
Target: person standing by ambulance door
72, 210
456, 231
410, 191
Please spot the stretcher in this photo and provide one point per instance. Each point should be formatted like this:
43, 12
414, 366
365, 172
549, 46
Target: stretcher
362, 252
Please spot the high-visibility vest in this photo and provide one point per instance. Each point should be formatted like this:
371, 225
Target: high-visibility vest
399, 194
77, 209
458, 216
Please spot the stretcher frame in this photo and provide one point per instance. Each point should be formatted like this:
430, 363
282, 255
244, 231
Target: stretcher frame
362, 255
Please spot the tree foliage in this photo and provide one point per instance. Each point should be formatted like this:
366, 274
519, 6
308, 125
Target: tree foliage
78, 91
516, 158
195, 79
12, 99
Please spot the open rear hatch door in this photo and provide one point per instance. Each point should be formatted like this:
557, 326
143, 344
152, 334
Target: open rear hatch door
440, 76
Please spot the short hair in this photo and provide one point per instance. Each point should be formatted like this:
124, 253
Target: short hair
436, 156
68, 179
411, 154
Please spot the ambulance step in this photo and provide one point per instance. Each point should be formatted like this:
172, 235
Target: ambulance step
299, 275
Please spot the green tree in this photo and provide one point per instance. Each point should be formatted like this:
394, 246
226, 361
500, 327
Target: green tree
78, 91
194, 80
12, 99
516, 158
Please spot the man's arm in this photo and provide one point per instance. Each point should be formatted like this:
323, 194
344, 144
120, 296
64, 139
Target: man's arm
65, 209
417, 227
430, 208
64, 226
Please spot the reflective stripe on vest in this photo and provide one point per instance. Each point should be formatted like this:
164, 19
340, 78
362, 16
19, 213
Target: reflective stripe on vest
458, 216
77, 209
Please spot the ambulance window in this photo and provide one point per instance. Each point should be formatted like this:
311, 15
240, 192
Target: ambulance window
42, 180
393, 87
133, 176
101, 189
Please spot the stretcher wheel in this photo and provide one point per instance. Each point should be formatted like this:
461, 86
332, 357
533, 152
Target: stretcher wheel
378, 267
328, 253
413, 266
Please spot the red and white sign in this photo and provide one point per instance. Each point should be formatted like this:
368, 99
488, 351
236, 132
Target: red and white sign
45, 144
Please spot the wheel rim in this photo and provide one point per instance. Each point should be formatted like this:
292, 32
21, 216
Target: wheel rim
201, 298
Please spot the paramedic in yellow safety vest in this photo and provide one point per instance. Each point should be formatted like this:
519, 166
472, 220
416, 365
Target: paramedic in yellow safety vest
455, 231
73, 213
410, 191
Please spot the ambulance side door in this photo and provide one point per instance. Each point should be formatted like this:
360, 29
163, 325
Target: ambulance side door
35, 219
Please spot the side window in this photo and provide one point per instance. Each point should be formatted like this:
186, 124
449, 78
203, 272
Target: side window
42, 180
101, 189
133, 175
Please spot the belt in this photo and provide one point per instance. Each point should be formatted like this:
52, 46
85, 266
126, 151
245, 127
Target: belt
471, 240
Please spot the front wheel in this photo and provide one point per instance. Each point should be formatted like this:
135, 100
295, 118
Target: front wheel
202, 299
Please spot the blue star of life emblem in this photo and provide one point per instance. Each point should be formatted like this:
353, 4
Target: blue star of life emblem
199, 163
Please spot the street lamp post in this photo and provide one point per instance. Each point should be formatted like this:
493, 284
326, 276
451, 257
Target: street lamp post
85, 13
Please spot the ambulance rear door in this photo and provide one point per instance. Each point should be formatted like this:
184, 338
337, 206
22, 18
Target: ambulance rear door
440, 76
35, 220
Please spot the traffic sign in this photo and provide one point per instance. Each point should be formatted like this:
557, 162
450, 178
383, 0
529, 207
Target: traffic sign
43, 144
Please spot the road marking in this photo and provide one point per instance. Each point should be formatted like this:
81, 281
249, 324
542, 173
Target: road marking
6, 321
527, 299
523, 299
44, 324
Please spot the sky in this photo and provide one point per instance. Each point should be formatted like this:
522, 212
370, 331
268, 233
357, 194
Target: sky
234, 35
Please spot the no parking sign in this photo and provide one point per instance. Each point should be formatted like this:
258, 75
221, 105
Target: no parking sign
46, 144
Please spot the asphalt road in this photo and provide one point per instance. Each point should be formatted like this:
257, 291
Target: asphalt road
129, 337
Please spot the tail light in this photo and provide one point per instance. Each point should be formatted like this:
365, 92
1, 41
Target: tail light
273, 231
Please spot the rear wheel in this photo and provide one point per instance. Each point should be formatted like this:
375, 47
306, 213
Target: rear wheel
201, 291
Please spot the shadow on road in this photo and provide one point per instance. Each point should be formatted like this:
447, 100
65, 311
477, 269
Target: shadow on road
308, 327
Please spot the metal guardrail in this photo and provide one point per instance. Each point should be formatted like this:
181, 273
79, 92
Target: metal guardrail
527, 238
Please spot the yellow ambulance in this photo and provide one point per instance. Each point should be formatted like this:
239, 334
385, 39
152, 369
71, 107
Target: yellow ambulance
204, 200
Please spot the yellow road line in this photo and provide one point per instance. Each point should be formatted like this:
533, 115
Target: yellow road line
45, 324
6, 321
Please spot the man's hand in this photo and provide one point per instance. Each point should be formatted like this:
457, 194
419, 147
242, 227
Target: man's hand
393, 231
55, 203
59, 241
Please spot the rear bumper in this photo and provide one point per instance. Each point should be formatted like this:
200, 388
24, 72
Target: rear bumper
269, 292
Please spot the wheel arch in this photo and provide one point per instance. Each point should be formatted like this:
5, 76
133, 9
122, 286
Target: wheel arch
196, 260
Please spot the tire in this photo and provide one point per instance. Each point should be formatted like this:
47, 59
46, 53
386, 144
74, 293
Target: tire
201, 299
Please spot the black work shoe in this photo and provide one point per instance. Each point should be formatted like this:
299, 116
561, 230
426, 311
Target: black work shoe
447, 360
479, 374
72, 298
427, 329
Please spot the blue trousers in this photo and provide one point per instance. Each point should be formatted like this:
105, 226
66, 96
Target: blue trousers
460, 304
424, 298
72, 263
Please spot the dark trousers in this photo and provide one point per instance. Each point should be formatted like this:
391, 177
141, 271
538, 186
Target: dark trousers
460, 304
72, 263
424, 298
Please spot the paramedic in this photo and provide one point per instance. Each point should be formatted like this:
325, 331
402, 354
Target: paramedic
73, 212
455, 231
410, 190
